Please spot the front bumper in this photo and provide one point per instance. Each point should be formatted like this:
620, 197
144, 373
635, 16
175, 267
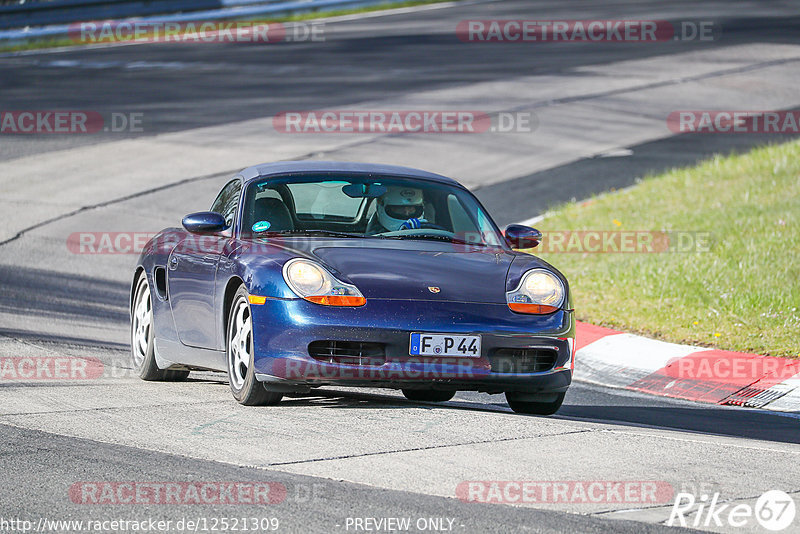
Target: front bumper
283, 330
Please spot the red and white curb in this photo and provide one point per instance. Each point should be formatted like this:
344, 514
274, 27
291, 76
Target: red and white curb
612, 358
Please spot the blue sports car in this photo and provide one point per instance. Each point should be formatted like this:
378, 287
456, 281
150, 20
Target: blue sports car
306, 274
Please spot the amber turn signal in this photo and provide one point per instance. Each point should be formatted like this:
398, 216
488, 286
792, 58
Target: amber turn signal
540, 309
337, 300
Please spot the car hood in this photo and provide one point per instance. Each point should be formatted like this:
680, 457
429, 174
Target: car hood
443, 275
391, 269
422, 271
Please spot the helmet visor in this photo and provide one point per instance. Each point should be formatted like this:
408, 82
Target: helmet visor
404, 212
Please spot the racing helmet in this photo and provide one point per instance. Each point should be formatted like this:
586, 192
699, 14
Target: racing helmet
398, 205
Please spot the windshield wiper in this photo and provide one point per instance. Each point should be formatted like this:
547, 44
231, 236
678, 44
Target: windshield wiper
327, 233
437, 237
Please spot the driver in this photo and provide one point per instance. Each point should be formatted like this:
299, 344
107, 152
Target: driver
400, 208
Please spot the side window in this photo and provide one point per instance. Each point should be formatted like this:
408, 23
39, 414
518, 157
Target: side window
459, 217
228, 200
488, 233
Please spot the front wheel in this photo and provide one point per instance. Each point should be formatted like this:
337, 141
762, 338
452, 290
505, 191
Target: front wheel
538, 404
143, 350
428, 395
239, 353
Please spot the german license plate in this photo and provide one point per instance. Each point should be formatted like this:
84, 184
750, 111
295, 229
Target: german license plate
445, 345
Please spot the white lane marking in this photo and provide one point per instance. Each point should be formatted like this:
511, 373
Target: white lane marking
326, 20
91, 64
635, 352
532, 220
402, 10
616, 153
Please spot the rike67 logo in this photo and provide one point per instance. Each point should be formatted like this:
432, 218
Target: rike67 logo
774, 510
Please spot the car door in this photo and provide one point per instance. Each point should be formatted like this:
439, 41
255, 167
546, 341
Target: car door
192, 269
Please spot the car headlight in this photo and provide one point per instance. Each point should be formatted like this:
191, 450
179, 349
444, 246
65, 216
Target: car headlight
539, 291
313, 282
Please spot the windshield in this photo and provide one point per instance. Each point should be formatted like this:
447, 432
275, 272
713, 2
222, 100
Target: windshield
368, 206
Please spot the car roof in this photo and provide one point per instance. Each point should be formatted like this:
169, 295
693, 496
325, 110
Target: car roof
282, 168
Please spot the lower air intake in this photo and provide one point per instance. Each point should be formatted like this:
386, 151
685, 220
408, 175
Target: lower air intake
348, 352
523, 360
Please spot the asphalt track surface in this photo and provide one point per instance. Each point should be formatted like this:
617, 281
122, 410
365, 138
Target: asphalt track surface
369, 453
182, 86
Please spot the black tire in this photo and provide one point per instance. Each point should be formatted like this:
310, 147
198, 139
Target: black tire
143, 352
523, 403
241, 377
428, 395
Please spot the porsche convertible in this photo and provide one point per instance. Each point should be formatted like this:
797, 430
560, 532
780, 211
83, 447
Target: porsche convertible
309, 274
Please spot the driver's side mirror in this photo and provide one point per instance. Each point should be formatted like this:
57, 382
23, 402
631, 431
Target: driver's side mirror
204, 222
519, 236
